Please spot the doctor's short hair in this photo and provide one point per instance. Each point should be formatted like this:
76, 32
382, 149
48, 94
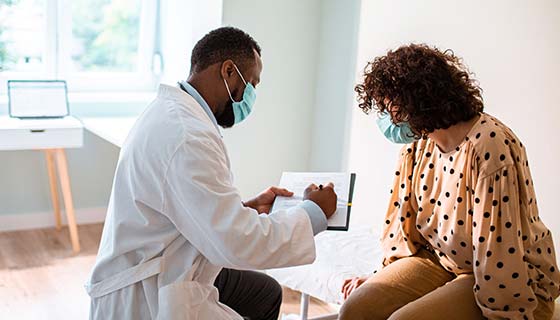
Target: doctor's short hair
222, 44
432, 89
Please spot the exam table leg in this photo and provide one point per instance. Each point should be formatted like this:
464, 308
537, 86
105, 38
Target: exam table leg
304, 307
304, 310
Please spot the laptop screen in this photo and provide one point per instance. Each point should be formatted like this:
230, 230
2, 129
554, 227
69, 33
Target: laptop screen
37, 98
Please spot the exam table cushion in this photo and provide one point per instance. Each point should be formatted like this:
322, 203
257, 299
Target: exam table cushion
340, 255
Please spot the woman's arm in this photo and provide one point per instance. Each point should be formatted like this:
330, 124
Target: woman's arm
502, 286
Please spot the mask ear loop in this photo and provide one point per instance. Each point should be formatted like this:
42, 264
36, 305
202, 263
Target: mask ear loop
227, 87
239, 72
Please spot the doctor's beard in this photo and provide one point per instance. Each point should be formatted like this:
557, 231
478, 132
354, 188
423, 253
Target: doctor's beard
226, 119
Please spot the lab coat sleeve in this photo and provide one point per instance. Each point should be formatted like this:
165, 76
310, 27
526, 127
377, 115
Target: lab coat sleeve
316, 216
206, 208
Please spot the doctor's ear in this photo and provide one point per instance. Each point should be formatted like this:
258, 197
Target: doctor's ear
228, 68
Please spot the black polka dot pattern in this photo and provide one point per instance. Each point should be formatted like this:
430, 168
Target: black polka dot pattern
475, 205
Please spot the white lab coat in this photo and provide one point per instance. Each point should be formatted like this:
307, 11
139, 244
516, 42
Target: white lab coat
175, 219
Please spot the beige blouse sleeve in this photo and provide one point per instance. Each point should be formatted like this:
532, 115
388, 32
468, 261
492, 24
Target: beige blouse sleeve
502, 287
400, 238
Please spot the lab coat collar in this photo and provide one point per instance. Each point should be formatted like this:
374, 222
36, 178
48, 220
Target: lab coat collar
171, 91
198, 98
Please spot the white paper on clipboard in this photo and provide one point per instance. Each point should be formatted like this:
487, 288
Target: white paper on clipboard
343, 186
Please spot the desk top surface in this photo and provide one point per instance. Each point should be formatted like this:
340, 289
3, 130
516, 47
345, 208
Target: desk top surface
35, 134
7, 123
112, 129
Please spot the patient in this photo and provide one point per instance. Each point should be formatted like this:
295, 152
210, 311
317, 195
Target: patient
462, 236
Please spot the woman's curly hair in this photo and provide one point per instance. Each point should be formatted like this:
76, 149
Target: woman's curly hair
432, 89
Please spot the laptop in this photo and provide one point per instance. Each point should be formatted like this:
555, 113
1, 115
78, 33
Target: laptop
33, 99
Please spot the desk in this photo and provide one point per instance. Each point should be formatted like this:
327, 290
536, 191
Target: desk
112, 129
52, 136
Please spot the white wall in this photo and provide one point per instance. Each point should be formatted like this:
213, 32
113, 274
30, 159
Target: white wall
276, 137
513, 47
334, 96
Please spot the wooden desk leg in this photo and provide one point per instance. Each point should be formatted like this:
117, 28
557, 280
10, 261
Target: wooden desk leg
67, 195
49, 155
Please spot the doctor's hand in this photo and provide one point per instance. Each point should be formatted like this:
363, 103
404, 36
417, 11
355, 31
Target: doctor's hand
263, 202
323, 196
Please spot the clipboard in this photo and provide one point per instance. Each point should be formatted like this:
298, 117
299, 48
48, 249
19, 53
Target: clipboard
344, 188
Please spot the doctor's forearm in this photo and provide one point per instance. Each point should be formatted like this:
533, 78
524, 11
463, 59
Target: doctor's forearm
315, 213
316, 216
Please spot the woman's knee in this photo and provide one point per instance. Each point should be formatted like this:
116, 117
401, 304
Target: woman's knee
406, 313
351, 310
370, 301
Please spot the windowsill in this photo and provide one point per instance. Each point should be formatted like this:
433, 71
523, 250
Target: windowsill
103, 97
139, 96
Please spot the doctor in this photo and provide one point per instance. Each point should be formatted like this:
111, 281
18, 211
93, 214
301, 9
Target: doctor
177, 233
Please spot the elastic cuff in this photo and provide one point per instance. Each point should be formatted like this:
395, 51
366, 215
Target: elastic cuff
316, 216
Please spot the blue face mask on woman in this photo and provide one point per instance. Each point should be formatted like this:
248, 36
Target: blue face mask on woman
242, 109
396, 133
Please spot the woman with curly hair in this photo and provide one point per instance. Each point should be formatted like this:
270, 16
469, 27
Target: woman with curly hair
462, 237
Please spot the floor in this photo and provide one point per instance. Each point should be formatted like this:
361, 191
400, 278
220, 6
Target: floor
40, 277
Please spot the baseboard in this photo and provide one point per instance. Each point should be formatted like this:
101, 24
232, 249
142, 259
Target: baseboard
38, 220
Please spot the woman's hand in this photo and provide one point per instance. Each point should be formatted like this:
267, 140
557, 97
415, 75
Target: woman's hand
352, 284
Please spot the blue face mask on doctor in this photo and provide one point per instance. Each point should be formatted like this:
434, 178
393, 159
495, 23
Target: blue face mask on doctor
242, 109
397, 133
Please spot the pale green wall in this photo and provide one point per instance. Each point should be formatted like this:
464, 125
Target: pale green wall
277, 135
307, 49
303, 102
24, 186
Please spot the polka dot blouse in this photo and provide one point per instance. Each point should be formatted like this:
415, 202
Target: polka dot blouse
476, 207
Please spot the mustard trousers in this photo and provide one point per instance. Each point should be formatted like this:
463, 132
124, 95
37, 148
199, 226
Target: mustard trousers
419, 288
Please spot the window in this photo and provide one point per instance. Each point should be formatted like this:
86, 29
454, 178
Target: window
104, 40
96, 45
20, 25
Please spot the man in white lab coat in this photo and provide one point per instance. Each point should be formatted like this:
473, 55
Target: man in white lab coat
178, 241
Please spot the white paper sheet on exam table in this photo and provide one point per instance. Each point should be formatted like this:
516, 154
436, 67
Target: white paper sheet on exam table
298, 181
